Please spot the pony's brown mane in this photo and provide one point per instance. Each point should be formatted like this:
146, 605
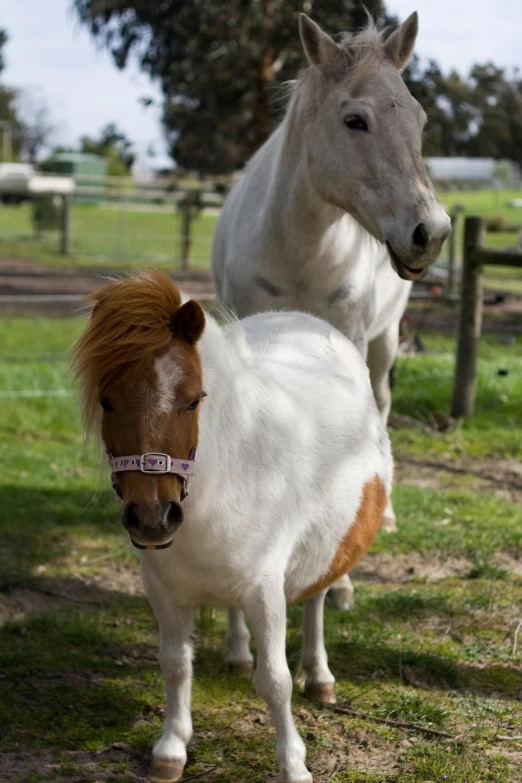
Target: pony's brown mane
130, 322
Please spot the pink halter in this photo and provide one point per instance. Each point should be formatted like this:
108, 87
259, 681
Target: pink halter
155, 463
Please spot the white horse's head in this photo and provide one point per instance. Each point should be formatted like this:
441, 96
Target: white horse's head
363, 140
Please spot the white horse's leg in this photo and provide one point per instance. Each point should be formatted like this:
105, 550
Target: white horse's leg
266, 610
238, 655
341, 593
175, 627
318, 679
382, 352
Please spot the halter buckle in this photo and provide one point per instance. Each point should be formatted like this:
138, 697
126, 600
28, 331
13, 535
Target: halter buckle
160, 455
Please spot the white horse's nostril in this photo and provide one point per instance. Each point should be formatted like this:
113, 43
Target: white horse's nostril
421, 237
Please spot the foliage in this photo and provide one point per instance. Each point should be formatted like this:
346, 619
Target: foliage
114, 145
46, 214
477, 116
497, 222
37, 126
8, 108
218, 64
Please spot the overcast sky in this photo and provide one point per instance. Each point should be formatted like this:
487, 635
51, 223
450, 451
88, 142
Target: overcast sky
50, 55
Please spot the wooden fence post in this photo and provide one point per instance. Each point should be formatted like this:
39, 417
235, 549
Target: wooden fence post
470, 322
66, 225
186, 234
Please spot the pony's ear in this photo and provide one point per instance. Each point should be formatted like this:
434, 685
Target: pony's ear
321, 50
399, 46
188, 322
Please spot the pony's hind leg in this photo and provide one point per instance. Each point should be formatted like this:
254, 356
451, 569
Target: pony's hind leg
239, 656
175, 627
382, 352
266, 610
315, 675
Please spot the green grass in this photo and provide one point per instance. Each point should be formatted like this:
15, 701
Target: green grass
80, 672
102, 236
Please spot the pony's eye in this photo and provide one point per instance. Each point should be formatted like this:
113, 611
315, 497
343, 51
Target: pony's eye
107, 407
356, 122
194, 405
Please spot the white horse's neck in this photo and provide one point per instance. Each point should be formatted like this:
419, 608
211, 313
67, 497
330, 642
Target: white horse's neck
302, 224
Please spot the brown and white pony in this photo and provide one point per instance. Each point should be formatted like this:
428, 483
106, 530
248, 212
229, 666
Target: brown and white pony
276, 419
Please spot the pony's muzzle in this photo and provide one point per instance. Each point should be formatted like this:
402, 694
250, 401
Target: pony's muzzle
152, 525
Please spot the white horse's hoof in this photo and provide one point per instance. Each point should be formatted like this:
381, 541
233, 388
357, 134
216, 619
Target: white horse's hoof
164, 771
304, 777
242, 668
321, 691
341, 598
389, 523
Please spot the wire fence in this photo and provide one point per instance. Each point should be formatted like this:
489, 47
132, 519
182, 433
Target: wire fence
119, 221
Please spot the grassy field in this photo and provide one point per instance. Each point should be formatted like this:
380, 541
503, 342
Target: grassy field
430, 641
108, 236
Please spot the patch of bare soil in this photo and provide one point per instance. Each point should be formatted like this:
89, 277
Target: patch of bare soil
78, 591
75, 766
402, 568
500, 475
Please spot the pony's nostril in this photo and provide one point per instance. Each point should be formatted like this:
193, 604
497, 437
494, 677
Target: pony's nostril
174, 516
421, 237
131, 517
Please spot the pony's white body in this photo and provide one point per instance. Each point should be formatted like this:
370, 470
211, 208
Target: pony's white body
289, 437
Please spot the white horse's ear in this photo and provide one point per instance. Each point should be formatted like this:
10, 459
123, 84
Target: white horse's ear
399, 46
188, 322
321, 50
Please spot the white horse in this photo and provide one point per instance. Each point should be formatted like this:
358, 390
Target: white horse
292, 474
335, 201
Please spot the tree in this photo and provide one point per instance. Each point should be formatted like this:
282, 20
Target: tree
114, 145
10, 124
497, 97
36, 127
218, 64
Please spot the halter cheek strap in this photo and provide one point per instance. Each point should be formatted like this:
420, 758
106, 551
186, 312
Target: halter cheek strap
153, 462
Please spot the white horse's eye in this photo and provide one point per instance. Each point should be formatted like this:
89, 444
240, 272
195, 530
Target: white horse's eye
356, 122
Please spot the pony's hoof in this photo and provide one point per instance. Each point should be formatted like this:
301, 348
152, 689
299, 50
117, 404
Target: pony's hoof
163, 771
242, 668
321, 691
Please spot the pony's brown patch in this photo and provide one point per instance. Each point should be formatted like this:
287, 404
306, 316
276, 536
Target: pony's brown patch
358, 539
132, 319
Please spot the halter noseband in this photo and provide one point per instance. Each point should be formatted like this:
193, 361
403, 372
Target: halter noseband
153, 463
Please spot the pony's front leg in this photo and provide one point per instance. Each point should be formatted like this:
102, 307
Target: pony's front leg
239, 656
317, 678
266, 610
175, 626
